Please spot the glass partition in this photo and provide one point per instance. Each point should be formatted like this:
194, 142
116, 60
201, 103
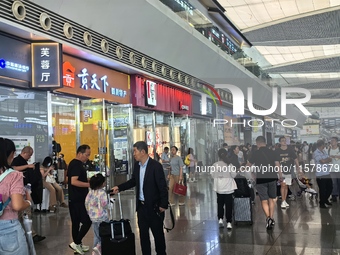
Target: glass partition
120, 138
221, 39
23, 119
163, 136
181, 133
91, 112
64, 124
144, 129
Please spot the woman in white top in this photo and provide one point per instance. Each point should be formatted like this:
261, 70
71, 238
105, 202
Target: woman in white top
224, 185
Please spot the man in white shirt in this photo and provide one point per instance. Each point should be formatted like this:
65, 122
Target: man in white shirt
334, 153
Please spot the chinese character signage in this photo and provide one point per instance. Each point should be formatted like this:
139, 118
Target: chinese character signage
15, 62
90, 80
150, 93
46, 65
197, 106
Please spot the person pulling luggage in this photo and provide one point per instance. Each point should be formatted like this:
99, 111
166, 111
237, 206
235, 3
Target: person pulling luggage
151, 198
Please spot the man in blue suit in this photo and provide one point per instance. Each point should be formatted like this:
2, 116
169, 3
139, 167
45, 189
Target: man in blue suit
151, 198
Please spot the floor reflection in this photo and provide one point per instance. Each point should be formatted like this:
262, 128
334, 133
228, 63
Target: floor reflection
301, 229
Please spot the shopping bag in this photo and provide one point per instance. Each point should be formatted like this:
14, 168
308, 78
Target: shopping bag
187, 160
180, 189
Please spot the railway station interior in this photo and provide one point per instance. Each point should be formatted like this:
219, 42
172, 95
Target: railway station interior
196, 75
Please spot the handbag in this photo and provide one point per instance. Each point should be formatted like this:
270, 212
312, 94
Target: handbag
187, 160
50, 179
180, 189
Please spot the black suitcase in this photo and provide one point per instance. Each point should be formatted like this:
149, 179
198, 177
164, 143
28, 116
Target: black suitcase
117, 236
243, 210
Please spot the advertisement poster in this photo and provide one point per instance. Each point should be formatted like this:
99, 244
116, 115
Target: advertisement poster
20, 142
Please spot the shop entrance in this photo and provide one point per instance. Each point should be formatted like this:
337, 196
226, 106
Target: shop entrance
181, 134
106, 128
120, 138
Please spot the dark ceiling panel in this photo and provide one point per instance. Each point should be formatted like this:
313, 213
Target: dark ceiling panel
324, 26
316, 66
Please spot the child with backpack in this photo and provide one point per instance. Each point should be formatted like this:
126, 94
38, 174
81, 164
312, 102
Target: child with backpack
96, 204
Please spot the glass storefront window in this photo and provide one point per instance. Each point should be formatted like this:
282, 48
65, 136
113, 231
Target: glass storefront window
163, 122
119, 136
92, 112
181, 135
64, 125
204, 141
143, 130
23, 119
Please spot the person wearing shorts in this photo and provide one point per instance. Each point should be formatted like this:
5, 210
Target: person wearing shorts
266, 177
266, 190
287, 159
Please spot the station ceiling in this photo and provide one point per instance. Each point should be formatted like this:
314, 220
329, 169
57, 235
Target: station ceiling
299, 42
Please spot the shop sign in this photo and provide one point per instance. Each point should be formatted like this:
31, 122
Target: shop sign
279, 129
87, 79
288, 131
5, 64
197, 106
151, 93
294, 134
15, 59
46, 61
149, 138
183, 107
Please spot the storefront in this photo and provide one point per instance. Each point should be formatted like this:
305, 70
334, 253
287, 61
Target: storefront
93, 108
204, 137
269, 130
160, 114
231, 134
23, 111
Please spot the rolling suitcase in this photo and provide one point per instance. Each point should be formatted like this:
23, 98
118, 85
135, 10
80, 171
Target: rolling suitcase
243, 210
117, 236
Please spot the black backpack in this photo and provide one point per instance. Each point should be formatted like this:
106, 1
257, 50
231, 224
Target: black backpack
243, 189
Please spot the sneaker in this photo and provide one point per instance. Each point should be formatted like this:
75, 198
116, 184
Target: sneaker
287, 205
180, 204
95, 251
76, 248
85, 247
229, 226
172, 204
220, 223
283, 205
328, 203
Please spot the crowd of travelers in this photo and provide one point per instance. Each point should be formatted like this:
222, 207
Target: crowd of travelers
155, 182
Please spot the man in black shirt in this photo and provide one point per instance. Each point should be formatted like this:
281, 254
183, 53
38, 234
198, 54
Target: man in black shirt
266, 176
20, 164
78, 187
